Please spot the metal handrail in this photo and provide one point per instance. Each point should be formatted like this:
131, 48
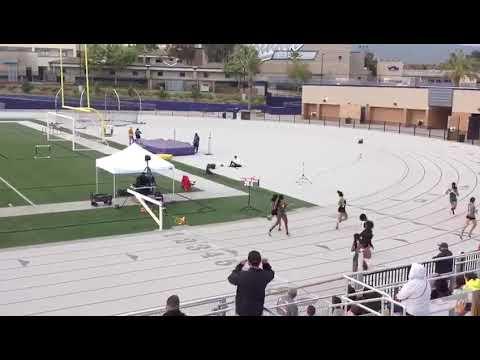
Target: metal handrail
214, 299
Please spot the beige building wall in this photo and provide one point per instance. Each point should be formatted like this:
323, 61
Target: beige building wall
382, 114
352, 111
415, 116
389, 97
466, 101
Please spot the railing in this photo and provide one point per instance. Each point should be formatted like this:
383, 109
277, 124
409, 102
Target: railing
392, 278
221, 305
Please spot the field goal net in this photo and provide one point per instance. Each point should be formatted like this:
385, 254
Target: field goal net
55, 127
89, 129
85, 129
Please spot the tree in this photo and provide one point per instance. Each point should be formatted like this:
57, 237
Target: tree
459, 67
298, 71
371, 63
218, 52
113, 56
145, 48
184, 52
244, 62
475, 55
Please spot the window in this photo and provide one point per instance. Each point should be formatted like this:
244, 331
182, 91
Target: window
205, 74
227, 76
134, 73
112, 72
158, 60
182, 74
340, 58
147, 60
160, 73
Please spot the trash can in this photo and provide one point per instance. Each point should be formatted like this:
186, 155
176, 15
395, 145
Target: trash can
461, 138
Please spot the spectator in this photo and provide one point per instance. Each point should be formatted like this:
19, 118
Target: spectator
356, 310
337, 311
443, 266
440, 290
374, 305
251, 284
471, 282
173, 306
465, 309
288, 309
415, 294
459, 284
311, 310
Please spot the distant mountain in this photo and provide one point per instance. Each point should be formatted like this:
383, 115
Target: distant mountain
417, 53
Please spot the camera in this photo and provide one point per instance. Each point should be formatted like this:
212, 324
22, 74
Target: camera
147, 158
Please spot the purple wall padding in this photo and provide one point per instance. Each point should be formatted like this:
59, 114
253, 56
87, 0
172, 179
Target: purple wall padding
162, 146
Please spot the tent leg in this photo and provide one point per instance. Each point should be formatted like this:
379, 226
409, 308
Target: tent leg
96, 180
173, 184
114, 186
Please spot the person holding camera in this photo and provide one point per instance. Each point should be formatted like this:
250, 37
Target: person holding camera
251, 284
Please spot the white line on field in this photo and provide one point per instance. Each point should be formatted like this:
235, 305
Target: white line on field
18, 192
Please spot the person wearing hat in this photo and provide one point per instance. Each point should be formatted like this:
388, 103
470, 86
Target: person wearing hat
443, 266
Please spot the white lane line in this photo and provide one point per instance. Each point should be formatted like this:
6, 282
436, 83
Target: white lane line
18, 192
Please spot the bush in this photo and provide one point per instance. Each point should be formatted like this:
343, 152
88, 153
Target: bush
162, 94
27, 87
195, 92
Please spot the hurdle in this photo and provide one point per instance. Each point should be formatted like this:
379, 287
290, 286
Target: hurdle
37, 152
142, 199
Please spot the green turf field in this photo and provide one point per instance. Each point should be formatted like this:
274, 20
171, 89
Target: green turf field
56, 180
67, 176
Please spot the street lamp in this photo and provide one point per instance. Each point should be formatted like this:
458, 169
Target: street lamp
321, 69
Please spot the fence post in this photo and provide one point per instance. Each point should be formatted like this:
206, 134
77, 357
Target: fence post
384, 126
339, 122
354, 123
309, 119
324, 122
414, 129
278, 118
369, 122
444, 134
399, 125
429, 131
294, 118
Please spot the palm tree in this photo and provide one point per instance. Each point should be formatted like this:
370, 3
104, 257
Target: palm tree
459, 67
245, 63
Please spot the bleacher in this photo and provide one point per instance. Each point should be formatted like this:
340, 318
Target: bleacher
379, 286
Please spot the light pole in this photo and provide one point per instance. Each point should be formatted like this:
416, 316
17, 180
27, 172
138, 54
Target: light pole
321, 69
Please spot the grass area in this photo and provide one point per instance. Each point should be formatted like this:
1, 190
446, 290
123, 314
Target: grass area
67, 176
45, 228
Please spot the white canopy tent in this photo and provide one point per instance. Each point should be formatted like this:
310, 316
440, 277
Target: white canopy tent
130, 161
